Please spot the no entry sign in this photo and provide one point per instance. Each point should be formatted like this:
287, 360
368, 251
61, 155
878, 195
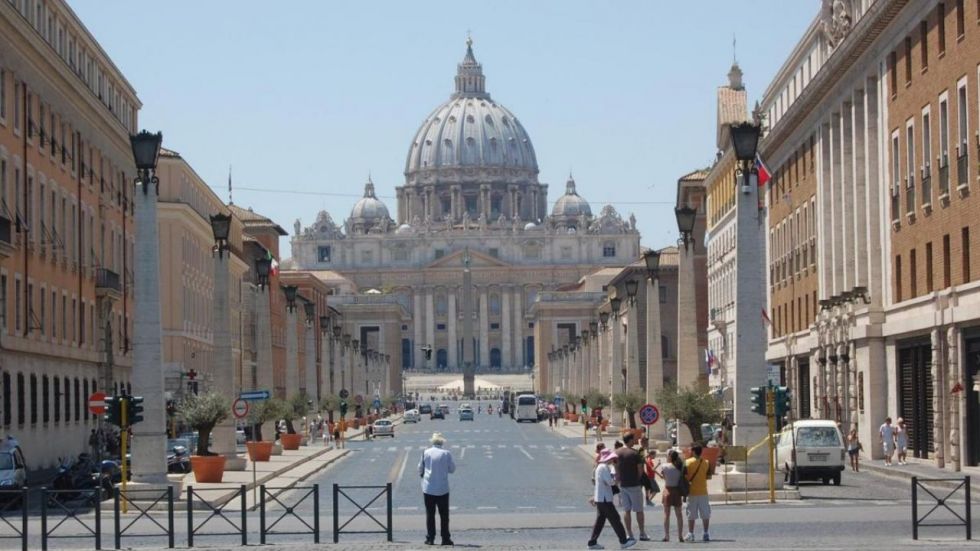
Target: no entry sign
649, 414
96, 403
239, 408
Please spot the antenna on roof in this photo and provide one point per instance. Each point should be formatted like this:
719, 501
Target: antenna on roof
734, 51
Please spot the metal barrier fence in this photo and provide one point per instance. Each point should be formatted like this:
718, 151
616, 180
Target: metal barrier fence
72, 503
8, 529
269, 495
917, 521
153, 497
339, 490
216, 511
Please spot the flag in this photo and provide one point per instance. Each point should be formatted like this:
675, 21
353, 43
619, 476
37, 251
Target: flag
274, 266
763, 170
765, 317
710, 357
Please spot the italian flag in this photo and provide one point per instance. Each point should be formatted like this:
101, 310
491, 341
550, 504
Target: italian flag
274, 266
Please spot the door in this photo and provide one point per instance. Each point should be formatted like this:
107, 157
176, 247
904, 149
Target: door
915, 396
442, 359
802, 389
971, 370
495, 358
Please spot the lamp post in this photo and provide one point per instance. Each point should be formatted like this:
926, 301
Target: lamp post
633, 381
221, 356
594, 364
309, 352
345, 363
750, 335
149, 462
585, 376
263, 336
655, 363
605, 346
618, 369
292, 345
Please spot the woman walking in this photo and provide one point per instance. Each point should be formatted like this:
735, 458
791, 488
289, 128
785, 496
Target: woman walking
602, 500
901, 441
854, 449
672, 471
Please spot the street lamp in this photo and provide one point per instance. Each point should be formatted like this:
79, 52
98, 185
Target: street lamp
310, 310
325, 323
632, 286
615, 303
221, 227
652, 260
290, 291
146, 152
745, 141
685, 222
263, 266
604, 320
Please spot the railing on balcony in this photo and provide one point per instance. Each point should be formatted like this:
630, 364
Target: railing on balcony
107, 279
926, 186
943, 178
5, 232
962, 164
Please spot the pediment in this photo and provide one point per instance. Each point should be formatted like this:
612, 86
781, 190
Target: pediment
477, 260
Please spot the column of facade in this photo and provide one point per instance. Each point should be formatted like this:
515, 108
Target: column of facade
292, 354
830, 382
792, 366
346, 364
596, 371
506, 352
430, 323
655, 362
847, 197
417, 352
616, 371
633, 350
954, 373
534, 203
484, 327
222, 361
485, 200
687, 331
430, 210
453, 347
852, 386
818, 395
410, 197
326, 365
937, 374
400, 198
454, 200
519, 348
859, 221
263, 350
312, 390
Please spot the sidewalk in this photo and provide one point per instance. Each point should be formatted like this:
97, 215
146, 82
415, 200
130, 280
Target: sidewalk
922, 468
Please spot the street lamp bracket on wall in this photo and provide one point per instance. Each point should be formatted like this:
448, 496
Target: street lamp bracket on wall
310, 310
632, 286
290, 292
861, 292
652, 260
263, 266
325, 323
220, 227
146, 153
686, 217
615, 304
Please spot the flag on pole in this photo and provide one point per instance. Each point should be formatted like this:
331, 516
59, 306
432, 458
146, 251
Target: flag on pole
763, 170
274, 266
765, 317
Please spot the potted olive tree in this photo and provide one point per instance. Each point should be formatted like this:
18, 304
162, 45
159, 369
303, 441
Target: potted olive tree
202, 412
296, 408
261, 412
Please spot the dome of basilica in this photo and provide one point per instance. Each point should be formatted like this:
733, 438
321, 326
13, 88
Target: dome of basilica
571, 204
369, 209
470, 130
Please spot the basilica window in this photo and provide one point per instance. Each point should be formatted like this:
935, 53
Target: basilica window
401, 253
439, 253
367, 257
495, 304
609, 249
566, 253
494, 252
442, 304
323, 254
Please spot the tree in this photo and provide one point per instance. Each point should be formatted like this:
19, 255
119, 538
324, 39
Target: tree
693, 405
629, 402
202, 412
572, 400
330, 403
296, 408
547, 397
596, 399
262, 412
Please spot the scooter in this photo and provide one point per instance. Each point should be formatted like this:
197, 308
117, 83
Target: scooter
178, 460
75, 474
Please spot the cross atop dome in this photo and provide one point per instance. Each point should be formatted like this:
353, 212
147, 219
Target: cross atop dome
470, 81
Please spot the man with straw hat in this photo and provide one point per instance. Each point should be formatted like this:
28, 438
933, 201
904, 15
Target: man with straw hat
435, 467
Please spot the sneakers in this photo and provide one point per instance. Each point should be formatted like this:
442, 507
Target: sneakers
689, 538
595, 546
706, 537
644, 537
629, 543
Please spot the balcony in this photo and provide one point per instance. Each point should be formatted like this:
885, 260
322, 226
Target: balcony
962, 171
6, 242
107, 283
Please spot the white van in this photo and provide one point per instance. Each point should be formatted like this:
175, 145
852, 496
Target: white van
811, 450
527, 408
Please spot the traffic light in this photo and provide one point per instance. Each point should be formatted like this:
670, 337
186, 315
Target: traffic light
784, 398
585, 405
758, 399
113, 410
343, 408
134, 413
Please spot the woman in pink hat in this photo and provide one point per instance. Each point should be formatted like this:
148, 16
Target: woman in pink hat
602, 500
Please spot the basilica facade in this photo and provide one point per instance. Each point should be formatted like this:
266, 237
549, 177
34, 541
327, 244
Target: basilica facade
471, 188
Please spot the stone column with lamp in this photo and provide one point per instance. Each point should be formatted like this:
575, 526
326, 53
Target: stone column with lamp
655, 362
633, 379
309, 352
292, 347
263, 337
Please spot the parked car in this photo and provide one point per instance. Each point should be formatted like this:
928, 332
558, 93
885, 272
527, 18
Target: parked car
383, 427
13, 472
465, 413
444, 409
412, 416
811, 449
425, 409
437, 414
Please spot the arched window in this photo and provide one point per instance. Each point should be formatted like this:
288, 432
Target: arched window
664, 347
495, 304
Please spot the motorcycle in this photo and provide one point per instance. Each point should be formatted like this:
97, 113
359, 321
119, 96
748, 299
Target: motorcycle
78, 474
178, 460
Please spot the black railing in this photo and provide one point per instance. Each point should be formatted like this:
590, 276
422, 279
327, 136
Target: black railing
107, 279
144, 517
944, 180
5, 235
269, 496
73, 504
962, 169
9, 528
941, 500
341, 491
216, 511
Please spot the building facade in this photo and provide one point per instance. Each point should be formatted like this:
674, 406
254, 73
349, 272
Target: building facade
471, 190
66, 227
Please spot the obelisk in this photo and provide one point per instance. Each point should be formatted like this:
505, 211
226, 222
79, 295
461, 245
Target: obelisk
468, 360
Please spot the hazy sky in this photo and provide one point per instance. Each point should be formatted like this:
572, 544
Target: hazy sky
306, 98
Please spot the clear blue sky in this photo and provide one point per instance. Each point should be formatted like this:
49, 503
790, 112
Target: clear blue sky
310, 96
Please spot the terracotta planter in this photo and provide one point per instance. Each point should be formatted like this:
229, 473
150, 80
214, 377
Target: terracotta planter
259, 451
355, 424
290, 441
711, 454
208, 468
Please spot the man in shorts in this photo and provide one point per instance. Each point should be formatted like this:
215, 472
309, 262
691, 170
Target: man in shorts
696, 471
629, 474
886, 433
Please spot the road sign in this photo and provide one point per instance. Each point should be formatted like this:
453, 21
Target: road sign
376, 404
358, 399
96, 403
344, 394
649, 414
772, 374
254, 395
239, 408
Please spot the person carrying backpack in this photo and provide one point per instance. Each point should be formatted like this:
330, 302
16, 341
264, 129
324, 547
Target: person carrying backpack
697, 500
675, 488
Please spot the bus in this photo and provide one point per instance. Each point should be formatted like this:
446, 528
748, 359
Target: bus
527, 408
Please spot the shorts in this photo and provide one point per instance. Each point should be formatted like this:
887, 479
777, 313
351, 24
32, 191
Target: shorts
888, 448
631, 498
672, 497
853, 452
698, 508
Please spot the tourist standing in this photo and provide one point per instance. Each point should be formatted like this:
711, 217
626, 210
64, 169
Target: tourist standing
629, 474
854, 449
435, 467
602, 500
671, 472
698, 506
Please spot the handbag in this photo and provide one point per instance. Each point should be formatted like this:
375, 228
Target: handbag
615, 489
683, 485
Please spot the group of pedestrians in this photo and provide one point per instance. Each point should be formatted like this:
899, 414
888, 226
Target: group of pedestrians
894, 437
628, 472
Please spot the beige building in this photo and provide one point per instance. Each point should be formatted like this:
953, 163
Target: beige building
66, 227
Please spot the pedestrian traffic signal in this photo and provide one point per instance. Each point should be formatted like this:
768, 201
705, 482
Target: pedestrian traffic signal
134, 413
758, 399
343, 409
784, 398
113, 410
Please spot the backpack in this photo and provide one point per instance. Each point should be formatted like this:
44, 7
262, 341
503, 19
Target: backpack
684, 485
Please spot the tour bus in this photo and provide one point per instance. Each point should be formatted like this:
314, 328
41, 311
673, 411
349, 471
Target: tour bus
527, 408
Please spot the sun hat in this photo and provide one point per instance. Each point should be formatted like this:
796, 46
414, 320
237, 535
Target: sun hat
437, 438
606, 455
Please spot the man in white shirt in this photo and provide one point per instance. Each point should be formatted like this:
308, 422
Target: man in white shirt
887, 434
435, 467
